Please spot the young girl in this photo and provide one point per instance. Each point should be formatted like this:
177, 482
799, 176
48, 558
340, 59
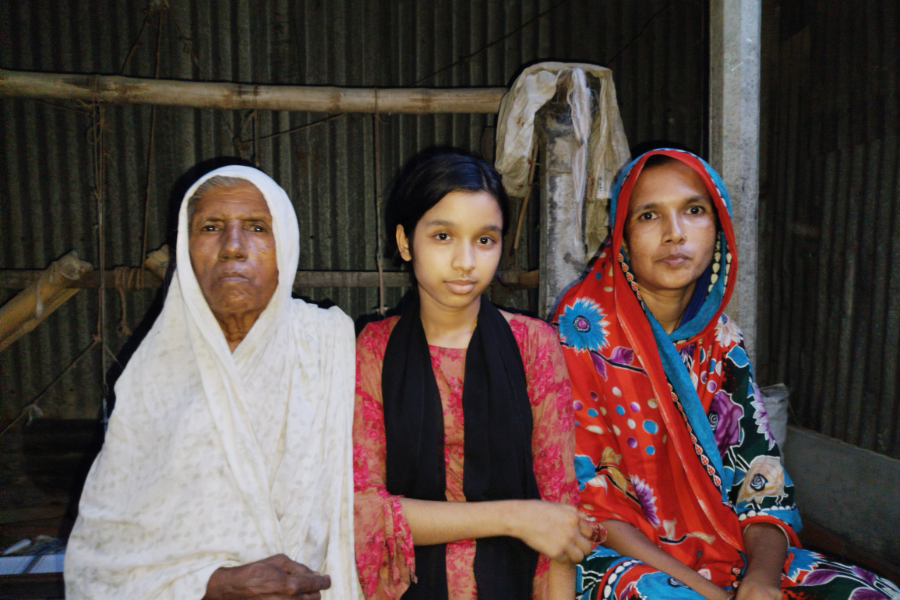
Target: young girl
463, 431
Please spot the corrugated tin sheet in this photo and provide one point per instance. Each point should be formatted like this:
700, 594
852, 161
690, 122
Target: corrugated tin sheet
830, 211
657, 50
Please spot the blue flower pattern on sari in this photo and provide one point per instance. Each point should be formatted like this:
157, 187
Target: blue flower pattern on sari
583, 327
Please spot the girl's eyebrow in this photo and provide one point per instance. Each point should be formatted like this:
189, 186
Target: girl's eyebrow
441, 223
445, 223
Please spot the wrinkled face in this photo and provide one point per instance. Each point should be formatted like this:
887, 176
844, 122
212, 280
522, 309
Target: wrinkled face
232, 248
670, 230
455, 248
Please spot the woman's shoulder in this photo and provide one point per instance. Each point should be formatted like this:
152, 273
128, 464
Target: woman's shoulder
728, 333
322, 323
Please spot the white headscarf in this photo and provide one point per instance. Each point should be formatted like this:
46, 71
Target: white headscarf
214, 459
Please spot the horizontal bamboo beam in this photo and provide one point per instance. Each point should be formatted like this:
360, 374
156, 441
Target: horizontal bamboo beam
115, 89
21, 278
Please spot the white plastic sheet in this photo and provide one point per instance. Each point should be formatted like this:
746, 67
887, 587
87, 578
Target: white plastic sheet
602, 146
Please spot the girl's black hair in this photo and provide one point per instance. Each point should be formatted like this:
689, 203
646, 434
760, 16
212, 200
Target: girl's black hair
429, 176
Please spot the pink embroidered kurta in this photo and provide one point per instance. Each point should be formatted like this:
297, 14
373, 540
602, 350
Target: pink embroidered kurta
384, 546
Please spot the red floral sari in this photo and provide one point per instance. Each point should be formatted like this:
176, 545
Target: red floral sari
671, 433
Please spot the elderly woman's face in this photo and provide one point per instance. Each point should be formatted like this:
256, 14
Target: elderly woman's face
232, 249
671, 228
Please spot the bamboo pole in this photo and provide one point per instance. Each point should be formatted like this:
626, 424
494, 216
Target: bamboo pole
45, 291
114, 89
118, 279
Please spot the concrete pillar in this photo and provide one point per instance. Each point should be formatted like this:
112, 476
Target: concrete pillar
734, 72
562, 255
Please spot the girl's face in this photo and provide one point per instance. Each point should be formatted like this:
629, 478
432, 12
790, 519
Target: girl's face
671, 228
455, 248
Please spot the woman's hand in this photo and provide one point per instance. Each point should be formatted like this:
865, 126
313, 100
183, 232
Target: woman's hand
628, 540
766, 547
556, 530
753, 589
273, 578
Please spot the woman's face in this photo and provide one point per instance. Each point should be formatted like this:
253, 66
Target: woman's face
455, 248
232, 248
670, 230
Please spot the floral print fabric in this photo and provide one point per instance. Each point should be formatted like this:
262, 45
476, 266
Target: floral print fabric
671, 433
806, 576
384, 548
634, 450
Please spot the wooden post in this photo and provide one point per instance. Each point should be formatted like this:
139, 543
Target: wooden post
734, 73
562, 241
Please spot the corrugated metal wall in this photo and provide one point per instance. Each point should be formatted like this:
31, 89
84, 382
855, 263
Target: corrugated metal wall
830, 212
47, 204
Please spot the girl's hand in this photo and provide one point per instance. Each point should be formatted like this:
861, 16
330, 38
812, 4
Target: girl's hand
556, 530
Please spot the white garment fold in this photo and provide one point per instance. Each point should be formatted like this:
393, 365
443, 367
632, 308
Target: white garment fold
214, 459
602, 148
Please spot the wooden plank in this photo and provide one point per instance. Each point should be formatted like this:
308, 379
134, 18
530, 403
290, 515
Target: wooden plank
32, 513
819, 538
114, 89
21, 278
32, 585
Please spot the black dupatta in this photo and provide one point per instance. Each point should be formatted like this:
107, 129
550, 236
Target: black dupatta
498, 462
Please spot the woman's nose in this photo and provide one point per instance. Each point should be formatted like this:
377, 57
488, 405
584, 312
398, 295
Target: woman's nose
235, 244
675, 232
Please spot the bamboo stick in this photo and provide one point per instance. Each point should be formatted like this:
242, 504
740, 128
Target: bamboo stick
114, 89
22, 278
44, 292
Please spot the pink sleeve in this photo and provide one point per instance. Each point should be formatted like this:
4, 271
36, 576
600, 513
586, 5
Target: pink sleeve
553, 433
385, 557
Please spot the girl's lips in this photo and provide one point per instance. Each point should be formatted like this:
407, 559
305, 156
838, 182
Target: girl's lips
461, 286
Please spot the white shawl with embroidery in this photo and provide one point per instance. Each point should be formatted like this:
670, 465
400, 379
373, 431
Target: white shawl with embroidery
216, 459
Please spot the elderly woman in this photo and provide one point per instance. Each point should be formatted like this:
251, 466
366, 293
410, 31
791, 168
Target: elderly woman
226, 470
673, 450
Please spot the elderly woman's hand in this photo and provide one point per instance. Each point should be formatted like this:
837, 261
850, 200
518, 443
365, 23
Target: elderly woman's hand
273, 578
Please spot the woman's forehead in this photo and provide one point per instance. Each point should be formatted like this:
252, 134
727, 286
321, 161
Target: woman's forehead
669, 181
242, 192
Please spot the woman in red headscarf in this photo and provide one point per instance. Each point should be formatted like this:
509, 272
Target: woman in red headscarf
673, 449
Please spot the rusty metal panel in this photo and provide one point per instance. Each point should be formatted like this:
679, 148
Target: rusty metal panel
830, 208
656, 48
